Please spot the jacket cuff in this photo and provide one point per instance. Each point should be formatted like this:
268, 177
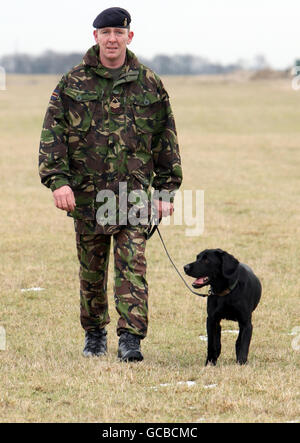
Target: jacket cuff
58, 182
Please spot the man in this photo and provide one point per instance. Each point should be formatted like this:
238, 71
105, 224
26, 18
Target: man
109, 123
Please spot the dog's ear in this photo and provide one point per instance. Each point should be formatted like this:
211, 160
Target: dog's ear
229, 267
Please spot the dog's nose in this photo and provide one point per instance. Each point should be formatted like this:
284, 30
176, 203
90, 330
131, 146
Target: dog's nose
186, 268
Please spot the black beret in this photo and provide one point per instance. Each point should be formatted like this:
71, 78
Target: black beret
112, 18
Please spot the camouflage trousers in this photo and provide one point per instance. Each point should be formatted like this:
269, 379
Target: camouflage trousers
130, 285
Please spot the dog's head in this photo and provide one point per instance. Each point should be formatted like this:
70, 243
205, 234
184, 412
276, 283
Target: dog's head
210, 265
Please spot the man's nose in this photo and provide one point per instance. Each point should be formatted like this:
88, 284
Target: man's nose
112, 37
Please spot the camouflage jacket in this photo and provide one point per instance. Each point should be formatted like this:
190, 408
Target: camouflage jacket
98, 132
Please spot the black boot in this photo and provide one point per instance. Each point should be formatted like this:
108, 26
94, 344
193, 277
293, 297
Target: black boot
129, 347
95, 343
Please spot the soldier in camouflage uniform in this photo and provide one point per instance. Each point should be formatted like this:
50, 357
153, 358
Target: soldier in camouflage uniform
109, 122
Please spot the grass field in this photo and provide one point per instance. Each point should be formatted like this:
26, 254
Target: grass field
240, 144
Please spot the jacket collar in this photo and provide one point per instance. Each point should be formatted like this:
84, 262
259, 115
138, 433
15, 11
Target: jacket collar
130, 69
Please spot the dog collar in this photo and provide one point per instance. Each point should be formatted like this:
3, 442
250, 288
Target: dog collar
225, 292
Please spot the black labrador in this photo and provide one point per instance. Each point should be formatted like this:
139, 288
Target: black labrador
234, 293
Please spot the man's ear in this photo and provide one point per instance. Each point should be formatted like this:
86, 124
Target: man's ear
130, 37
95, 33
229, 267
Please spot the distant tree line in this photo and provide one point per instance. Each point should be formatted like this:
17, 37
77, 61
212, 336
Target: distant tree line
186, 65
51, 62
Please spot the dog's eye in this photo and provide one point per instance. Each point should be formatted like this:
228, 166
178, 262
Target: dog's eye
206, 261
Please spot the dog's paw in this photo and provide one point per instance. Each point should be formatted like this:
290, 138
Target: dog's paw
210, 362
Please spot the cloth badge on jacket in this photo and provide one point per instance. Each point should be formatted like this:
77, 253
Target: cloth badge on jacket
55, 94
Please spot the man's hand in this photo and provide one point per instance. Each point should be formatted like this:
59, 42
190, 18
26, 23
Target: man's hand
163, 208
64, 198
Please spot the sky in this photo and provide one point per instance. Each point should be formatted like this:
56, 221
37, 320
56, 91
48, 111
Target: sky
222, 31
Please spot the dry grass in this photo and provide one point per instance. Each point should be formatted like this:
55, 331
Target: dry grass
240, 143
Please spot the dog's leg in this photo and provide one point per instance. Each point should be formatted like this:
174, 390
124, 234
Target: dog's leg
218, 340
213, 341
243, 342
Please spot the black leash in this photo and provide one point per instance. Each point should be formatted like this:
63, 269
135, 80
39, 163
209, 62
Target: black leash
163, 243
151, 229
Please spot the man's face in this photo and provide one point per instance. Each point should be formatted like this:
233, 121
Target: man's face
112, 43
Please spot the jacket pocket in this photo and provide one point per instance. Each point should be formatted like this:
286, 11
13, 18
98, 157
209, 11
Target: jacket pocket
146, 110
81, 106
